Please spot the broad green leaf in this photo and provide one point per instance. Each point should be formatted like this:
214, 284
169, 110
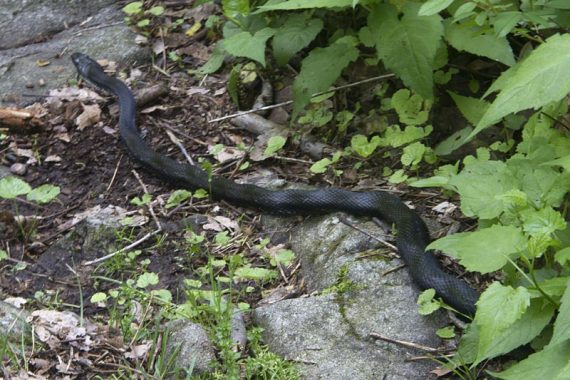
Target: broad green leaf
407, 44
432, 7
563, 256
558, 4
562, 324
480, 185
3, 255
563, 162
43, 194
498, 308
305, 4
295, 34
98, 297
274, 144
283, 257
245, 44
321, 69
412, 154
465, 37
472, 109
550, 363
156, 11
215, 62
543, 221
399, 176
395, 137
504, 22
521, 332
484, 251
11, 187
162, 294
543, 77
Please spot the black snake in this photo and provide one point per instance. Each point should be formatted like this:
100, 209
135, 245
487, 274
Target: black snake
412, 234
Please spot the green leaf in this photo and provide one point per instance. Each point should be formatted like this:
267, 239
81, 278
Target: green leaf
362, 146
320, 166
407, 44
481, 185
504, 22
177, 197
147, 279
3, 255
245, 44
43, 194
562, 324
484, 251
399, 176
320, 69
409, 107
156, 11
550, 363
283, 257
432, 7
200, 193
11, 187
144, 200
472, 109
446, 332
412, 154
215, 62
427, 303
144, 22
538, 80
536, 317
498, 308
257, 274
235, 8
162, 294
305, 4
296, 33
543, 221
465, 37
453, 142
395, 137
133, 8
274, 144
563, 256
98, 297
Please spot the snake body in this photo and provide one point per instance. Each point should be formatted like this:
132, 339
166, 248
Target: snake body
412, 233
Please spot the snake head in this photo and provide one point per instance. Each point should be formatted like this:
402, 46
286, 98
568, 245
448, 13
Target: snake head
85, 65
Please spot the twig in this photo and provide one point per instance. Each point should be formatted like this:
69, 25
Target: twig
114, 174
124, 249
403, 343
177, 142
150, 209
380, 240
380, 77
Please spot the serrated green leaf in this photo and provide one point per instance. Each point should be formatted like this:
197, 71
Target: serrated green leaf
412, 154
561, 331
296, 33
407, 44
544, 221
541, 78
465, 37
43, 194
453, 142
504, 22
550, 363
498, 308
245, 44
472, 109
480, 185
11, 187
395, 137
274, 144
321, 69
283, 257
305, 4
162, 294
563, 256
398, 176
215, 62
320, 166
432, 7
484, 251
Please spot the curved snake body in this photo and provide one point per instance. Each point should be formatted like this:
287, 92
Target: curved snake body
412, 234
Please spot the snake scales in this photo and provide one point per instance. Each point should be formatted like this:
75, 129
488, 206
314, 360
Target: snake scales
412, 234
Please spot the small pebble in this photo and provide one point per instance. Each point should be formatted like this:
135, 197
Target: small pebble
19, 169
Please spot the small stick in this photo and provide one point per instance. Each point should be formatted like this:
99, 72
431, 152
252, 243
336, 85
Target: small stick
124, 249
312, 96
403, 343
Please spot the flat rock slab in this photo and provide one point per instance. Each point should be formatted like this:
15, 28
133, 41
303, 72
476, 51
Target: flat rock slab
328, 335
39, 36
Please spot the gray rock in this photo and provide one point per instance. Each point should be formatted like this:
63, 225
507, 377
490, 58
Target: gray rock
195, 351
104, 35
12, 321
328, 335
